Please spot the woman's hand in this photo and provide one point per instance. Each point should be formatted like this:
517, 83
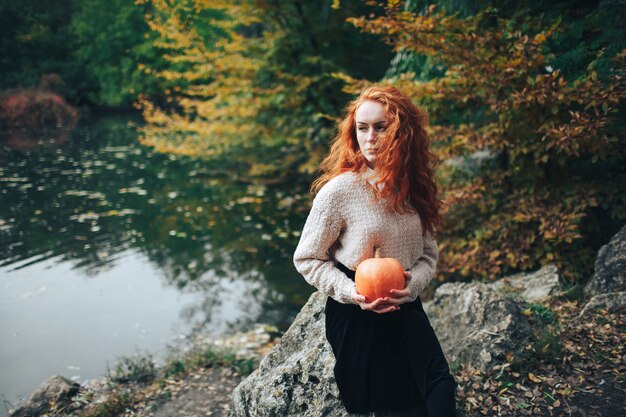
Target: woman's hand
386, 304
398, 297
377, 306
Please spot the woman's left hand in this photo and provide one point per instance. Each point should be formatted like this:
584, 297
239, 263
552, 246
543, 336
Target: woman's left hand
398, 297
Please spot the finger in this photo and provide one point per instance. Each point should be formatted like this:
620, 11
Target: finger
393, 301
373, 305
396, 301
359, 298
378, 302
399, 293
388, 309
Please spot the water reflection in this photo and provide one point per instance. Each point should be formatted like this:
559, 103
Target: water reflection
27, 140
35, 118
101, 194
101, 201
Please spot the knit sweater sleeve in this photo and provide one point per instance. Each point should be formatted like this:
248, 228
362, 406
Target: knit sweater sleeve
312, 257
424, 270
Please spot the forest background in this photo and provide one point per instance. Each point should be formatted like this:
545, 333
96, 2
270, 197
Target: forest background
525, 100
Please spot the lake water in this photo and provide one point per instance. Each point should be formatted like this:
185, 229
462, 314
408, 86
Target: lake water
108, 249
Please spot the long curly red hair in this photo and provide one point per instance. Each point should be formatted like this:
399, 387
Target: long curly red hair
404, 166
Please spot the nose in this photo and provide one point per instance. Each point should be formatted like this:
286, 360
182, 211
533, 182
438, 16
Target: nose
371, 135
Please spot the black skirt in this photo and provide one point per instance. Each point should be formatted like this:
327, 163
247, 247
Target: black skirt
385, 361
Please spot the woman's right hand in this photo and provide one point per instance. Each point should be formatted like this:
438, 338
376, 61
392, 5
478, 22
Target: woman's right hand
377, 306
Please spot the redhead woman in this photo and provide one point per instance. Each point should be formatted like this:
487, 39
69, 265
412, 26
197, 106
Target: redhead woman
377, 190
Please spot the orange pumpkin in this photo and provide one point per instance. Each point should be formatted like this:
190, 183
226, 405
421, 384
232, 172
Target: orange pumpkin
375, 277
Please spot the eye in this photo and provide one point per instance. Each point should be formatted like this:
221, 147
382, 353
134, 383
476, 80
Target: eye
381, 128
362, 129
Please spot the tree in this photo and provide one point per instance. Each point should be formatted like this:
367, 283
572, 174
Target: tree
34, 40
113, 42
549, 193
256, 85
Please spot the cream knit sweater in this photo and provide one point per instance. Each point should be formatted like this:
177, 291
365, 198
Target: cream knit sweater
346, 223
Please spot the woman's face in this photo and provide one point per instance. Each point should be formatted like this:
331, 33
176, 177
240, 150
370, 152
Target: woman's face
370, 128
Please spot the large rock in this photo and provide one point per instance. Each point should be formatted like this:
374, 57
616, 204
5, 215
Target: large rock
296, 377
611, 302
55, 390
477, 322
481, 323
610, 267
534, 287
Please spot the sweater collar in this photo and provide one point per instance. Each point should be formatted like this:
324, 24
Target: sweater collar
370, 175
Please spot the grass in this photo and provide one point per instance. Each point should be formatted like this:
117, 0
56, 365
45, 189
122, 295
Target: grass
546, 345
115, 405
133, 369
137, 381
159, 401
208, 357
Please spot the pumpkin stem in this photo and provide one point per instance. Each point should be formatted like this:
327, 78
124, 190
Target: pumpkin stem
376, 252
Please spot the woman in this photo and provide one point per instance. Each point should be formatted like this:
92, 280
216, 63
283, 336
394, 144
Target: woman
377, 190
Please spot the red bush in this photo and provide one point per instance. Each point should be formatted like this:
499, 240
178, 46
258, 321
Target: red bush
35, 109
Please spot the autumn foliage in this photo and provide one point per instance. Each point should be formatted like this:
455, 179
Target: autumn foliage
214, 103
530, 158
548, 192
35, 109
253, 81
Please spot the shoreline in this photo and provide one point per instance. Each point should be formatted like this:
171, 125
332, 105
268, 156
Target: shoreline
199, 381
148, 385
